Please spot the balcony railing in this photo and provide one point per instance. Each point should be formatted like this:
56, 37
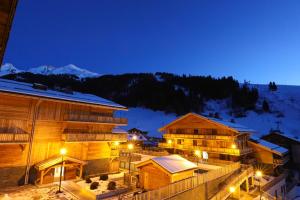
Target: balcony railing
95, 119
198, 136
14, 138
92, 137
230, 151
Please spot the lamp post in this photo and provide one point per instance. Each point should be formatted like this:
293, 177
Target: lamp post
130, 148
62, 152
259, 174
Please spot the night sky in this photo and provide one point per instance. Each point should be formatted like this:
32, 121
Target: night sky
253, 40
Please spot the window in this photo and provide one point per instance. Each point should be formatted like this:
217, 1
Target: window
214, 131
204, 143
195, 143
196, 131
179, 141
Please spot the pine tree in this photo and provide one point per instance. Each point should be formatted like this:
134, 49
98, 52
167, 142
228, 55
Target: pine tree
265, 106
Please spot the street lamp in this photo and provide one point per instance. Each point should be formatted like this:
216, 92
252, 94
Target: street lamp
259, 174
198, 155
130, 148
62, 152
231, 190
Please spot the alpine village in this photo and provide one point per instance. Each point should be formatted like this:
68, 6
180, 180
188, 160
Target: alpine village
57, 143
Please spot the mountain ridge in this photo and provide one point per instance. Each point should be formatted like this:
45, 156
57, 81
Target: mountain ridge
70, 69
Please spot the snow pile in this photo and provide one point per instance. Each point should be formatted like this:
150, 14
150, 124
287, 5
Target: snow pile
48, 70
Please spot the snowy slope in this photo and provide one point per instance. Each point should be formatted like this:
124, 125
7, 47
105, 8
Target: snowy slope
284, 105
146, 119
48, 70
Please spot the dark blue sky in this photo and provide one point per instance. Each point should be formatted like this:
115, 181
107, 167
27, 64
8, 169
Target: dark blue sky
256, 40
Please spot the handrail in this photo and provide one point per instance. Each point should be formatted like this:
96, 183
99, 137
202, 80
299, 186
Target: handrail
14, 137
73, 137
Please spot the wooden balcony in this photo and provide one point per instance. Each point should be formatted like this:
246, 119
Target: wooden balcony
14, 138
198, 136
85, 118
94, 137
228, 151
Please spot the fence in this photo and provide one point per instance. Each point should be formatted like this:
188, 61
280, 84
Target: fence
187, 184
234, 181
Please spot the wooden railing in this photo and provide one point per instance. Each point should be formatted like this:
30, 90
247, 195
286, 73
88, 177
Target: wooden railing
275, 181
229, 151
95, 118
14, 138
234, 181
199, 136
90, 137
187, 184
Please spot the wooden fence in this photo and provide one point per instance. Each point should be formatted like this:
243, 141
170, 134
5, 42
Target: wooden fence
187, 184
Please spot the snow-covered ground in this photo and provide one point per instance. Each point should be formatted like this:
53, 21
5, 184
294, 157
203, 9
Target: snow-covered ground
34, 193
284, 104
102, 188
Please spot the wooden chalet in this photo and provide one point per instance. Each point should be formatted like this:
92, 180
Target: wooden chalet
272, 156
212, 137
7, 12
161, 171
287, 141
36, 122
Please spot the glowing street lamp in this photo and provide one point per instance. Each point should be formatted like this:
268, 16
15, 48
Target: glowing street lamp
116, 143
231, 189
259, 175
134, 137
63, 151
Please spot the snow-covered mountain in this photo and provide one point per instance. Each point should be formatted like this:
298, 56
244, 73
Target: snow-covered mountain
284, 115
8, 68
48, 70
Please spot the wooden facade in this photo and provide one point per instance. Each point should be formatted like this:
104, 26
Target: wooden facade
194, 132
153, 175
33, 129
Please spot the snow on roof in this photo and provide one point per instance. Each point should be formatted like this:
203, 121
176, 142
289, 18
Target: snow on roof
174, 163
138, 137
27, 89
292, 137
273, 147
238, 127
118, 130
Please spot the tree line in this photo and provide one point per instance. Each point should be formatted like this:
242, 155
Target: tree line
166, 92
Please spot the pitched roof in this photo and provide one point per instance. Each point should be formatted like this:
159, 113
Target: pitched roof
232, 126
27, 89
172, 163
270, 146
56, 160
238, 127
